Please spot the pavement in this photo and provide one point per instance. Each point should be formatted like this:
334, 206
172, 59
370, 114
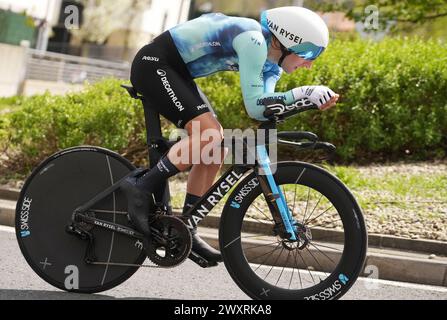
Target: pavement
185, 282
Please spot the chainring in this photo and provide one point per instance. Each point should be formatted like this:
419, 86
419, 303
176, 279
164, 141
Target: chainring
170, 242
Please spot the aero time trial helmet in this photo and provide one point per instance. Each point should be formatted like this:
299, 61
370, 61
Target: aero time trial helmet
300, 30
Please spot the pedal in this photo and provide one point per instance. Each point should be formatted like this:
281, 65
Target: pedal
202, 261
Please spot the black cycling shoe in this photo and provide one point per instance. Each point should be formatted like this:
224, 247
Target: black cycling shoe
203, 249
139, 203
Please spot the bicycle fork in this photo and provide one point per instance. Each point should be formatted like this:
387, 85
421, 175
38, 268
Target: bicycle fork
274, 196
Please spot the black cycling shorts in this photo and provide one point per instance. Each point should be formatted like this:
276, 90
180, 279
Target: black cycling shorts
160, 75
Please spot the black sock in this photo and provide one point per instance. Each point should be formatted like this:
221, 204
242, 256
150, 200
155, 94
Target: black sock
158, 174
190, 201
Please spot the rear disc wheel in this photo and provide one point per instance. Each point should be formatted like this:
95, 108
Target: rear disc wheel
54, 190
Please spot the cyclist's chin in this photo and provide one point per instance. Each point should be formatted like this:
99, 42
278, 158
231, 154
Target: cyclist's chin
289, 70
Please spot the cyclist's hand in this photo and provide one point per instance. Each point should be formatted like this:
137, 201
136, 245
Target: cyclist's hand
331, 103
321, 96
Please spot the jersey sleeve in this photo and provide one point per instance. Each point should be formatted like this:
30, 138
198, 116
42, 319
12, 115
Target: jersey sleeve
270, 80
257, 87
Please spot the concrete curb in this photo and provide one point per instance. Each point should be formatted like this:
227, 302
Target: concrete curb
374, 240
9, 194
7, 212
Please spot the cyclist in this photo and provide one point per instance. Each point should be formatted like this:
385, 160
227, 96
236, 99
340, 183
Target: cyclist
163, 71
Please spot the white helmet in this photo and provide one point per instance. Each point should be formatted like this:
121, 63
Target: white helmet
299, 30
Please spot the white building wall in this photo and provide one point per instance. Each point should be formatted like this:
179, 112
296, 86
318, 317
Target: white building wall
165, 14
12, 63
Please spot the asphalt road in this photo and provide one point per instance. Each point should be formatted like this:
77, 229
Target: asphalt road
188, 281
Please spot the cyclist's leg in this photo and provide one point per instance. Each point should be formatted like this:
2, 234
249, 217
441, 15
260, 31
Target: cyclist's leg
204, 172
203, 151
163, 79
188, 151
173, 94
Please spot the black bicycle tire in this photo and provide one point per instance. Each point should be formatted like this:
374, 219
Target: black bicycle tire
233, 258
130, 270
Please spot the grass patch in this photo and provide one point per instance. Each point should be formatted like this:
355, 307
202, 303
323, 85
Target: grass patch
177, 200
399, 189
403, 190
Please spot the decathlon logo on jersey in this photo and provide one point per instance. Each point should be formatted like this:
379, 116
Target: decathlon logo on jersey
148, 58
171, 93
270, 100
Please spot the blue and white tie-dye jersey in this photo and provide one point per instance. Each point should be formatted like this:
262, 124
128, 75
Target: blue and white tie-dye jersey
216, 42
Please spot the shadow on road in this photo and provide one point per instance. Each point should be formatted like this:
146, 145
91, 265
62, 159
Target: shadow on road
10, 294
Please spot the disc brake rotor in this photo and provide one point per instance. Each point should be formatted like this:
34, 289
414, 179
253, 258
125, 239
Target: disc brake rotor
303, 237
170, 242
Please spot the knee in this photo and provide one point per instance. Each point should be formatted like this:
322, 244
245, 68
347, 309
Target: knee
216, 131
212, 135
208, 130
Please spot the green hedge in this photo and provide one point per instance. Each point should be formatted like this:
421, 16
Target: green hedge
100, 115
393, 99
393, 106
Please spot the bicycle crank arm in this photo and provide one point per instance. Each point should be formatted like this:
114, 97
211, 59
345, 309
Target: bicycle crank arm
201, 261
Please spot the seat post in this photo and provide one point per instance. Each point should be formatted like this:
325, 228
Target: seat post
156, 150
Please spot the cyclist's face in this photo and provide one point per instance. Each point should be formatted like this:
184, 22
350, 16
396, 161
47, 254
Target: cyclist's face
293, 62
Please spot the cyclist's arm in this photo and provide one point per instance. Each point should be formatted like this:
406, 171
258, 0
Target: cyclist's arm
270, 80
251, 48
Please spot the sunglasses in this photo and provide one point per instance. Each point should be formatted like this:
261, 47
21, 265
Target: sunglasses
307, 50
